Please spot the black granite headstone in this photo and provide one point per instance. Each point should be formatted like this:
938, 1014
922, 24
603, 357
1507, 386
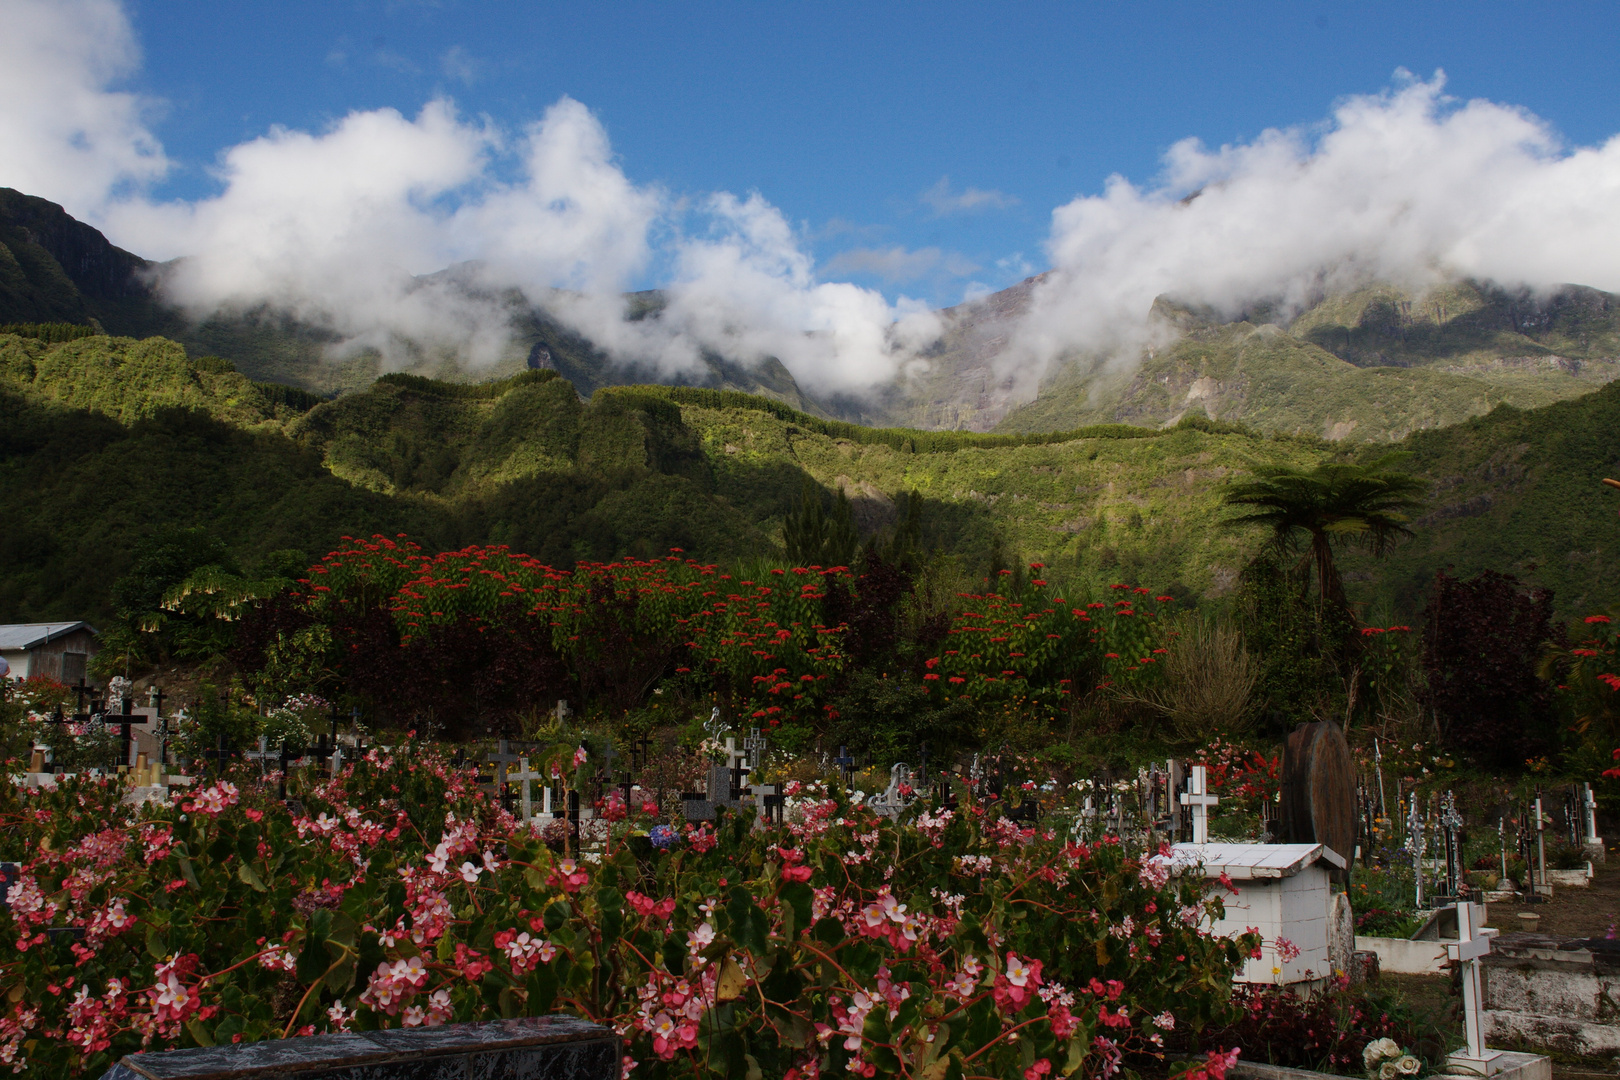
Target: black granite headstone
533, 1048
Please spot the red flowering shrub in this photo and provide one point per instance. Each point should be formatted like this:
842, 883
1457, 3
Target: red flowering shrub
839, 942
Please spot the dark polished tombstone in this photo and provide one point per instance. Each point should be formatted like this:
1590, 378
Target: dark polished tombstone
1319, 792
534, 1048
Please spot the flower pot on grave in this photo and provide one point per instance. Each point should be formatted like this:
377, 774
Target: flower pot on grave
1528, 921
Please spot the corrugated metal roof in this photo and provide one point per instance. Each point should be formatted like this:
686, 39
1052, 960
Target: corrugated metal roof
28, 635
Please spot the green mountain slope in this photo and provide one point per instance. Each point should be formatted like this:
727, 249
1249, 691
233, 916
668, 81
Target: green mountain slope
1369, 366
1517, 491
103, 440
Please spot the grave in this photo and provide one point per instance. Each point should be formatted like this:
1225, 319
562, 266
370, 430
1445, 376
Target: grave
1553, 993
533, 1048
1318, 803
1283, 892
1591, 842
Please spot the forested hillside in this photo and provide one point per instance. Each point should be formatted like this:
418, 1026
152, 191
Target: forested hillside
108, 441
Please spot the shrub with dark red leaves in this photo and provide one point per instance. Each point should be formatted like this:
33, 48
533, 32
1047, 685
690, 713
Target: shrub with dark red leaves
1482, 640
1327, 1032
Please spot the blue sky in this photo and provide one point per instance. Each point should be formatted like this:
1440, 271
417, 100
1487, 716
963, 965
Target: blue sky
846, 116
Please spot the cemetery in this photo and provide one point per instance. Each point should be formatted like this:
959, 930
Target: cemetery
469, 815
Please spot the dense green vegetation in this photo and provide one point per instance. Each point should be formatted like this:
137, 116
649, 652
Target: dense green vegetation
108, 438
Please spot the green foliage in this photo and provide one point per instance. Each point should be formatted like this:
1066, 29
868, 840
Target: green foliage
482, 391
1332, 503
50, 333
814, 537
1301, 644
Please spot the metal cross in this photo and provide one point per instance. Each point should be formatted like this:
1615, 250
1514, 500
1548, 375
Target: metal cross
1200, 800
756, 745
1416, 846
1451, 822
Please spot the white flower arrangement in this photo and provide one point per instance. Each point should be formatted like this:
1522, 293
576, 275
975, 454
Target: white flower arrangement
1384, 1059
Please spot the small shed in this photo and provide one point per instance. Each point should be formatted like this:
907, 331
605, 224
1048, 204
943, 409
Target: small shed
58, 650
1283, 892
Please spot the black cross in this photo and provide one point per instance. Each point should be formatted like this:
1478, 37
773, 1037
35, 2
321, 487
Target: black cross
499, 761
844, 762
128, 711
219, 754
640, 753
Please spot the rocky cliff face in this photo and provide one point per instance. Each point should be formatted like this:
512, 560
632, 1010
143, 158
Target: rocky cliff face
97, 269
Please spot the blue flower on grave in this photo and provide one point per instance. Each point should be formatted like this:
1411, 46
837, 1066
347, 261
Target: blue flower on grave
664, 837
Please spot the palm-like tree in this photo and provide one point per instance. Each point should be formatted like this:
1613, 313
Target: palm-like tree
1363, 505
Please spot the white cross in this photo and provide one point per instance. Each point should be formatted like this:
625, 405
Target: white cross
522, 776
1541, 848
1591, 818
1200, 800
1466, 950
759, 791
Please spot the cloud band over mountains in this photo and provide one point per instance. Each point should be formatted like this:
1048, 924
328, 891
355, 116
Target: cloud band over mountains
345, 227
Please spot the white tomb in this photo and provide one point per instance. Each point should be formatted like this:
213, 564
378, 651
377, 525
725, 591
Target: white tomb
1283, 893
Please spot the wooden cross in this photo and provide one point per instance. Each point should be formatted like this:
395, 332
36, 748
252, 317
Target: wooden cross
1466, 951
1200, 800
522, 777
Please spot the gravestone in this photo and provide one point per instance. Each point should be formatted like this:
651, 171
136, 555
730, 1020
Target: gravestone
1591, 842
1198, 799
1319, 793
533, 1048
891, 802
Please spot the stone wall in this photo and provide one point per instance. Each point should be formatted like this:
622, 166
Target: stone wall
1559, 994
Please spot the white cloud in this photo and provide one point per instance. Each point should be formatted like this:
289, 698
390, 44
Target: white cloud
460, 65
900, 263
943, 201
64, 133
347, 228
1407, 186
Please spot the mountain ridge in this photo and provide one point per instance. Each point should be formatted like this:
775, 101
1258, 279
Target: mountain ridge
1369, 365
